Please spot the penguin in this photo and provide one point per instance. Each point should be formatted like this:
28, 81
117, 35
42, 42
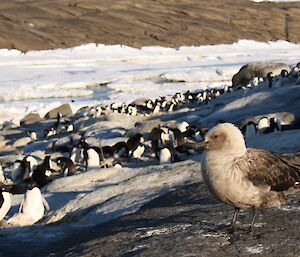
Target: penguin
132, 110
76, 155
117, 164
278, 126
165, 156
281, 80
32, 208
138, 152
274, 126
135, 146
255, 82
156, 139
295, 71
198, 134
69, 128
157, 107
120, 149
250, 129
183, 126
41, 174
58, 120
67, 166
270, 79
262, 125
5, 201
32, 135
91, 158
170, 108
29, 163
50, 132
178, 137
121, 108
17, 170
108, 151
34, 203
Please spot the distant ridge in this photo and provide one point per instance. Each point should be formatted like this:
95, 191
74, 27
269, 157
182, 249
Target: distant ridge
36, 25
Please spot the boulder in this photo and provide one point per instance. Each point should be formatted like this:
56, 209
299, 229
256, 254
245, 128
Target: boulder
140, 101
20, 142
257, 69
30, 118
64, 110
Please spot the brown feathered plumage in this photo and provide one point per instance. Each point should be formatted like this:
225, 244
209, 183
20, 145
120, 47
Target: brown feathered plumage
268, 169
245, 177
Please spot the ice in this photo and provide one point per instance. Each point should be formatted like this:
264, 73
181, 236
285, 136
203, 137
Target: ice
30, 81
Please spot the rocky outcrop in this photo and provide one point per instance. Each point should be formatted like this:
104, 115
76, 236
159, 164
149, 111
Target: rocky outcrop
64, 110
257, 69
24, 24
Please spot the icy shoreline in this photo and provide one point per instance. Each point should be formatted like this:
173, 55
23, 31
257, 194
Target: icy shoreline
31, 81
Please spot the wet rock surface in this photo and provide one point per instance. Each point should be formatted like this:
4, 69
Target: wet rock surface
188, 222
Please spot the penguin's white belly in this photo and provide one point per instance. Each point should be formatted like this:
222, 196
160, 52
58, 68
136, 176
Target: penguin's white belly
165, 156
138, 152
93, 158
33, 204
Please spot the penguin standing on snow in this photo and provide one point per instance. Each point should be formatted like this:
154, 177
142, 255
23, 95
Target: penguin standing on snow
67, 166
5, 201
32, 208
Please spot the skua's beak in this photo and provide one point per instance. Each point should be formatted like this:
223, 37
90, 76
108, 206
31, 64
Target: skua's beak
202, 144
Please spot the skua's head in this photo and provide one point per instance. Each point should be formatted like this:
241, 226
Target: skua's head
225, 137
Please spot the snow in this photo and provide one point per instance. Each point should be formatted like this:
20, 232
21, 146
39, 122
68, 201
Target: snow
41, 80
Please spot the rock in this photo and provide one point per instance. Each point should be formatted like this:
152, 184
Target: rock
257, 69
85, 122
9, 125
64, 110
286, 118
2, 142
20, 142
144, 128
140, 101
30, 118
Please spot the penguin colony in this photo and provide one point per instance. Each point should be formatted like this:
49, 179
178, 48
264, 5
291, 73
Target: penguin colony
166, 144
